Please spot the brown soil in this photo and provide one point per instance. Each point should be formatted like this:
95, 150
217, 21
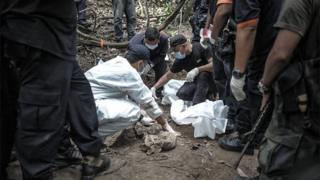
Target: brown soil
192, 159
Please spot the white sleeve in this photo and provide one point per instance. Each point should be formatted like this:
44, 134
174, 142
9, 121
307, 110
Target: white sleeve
140, 93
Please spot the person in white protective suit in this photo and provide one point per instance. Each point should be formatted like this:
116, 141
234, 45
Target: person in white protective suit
119, 92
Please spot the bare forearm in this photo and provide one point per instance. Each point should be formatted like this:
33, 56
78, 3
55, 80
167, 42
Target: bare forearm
207, 67
244, 46
279, 56
162, 121
163, 80
272, 68
220, 19
209, 19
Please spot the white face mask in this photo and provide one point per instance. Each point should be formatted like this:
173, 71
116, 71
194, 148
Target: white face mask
151, 47
140, 70
179, 55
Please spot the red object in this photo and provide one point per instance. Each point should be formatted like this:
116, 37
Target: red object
205, 32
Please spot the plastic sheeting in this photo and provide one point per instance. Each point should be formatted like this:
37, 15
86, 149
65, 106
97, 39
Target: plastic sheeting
170, 90
207, 118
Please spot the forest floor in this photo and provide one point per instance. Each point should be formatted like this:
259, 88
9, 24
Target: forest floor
192, 159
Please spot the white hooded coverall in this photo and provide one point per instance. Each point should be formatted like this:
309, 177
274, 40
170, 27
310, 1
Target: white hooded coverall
119, 92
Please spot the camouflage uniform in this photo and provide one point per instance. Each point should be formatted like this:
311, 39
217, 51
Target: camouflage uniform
291, 149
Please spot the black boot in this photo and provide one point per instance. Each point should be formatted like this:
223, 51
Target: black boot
67, 156
230, 127
234, 144
93, 166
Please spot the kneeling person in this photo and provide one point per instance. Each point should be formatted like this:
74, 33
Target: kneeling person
119, 92
157, 43
197, 61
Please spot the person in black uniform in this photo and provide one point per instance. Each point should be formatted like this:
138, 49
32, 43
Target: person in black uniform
223, 36
39, 48
3, 154
255, 37
291, 149
197, 61
224, 63
7, 109
199, 19
157, 43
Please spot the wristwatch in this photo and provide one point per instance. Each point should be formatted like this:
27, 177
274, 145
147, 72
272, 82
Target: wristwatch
237, 74
263, 88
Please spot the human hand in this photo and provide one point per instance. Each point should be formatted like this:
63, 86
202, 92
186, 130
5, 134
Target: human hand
192, 74
168, 128
236, 86
154, 94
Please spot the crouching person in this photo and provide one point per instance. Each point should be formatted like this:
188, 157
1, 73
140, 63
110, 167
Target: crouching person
197, 61
119, 92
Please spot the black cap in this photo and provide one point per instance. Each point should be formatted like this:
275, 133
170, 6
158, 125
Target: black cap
138, 52
177, 40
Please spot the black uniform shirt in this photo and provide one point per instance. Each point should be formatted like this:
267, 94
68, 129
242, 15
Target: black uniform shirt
267, 12
303, 17
47, 25
157, 55
198, 57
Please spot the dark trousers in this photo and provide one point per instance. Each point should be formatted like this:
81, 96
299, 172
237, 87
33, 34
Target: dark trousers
82, 115
197, 22
249, 109
278, 161
159, 70
81, 6
222, 73
247, 113
47, 84
119, 8
291, 150
8, 112
196, 91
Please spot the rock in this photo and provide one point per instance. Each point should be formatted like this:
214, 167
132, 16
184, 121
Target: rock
164, 141
141, 130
